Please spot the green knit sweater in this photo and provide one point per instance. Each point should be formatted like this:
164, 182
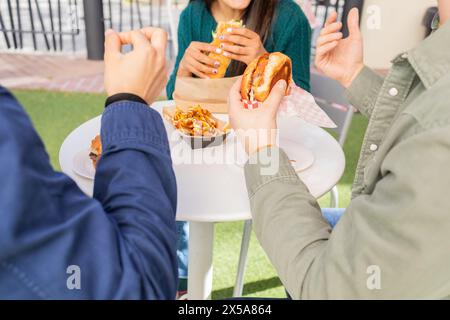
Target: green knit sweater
290, 34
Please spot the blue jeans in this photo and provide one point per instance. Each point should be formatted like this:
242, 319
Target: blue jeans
182, 248
331, 215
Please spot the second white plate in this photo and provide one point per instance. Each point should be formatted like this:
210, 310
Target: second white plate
83, 166
301, 157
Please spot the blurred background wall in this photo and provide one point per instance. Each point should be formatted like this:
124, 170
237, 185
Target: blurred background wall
391, 27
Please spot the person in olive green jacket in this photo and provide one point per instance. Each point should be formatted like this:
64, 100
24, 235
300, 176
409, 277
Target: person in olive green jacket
392, 240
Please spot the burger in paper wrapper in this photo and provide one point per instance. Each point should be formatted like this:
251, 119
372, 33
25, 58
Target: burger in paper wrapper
261, 76
210, 93
222, 28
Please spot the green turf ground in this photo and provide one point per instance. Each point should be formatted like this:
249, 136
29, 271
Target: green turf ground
55, 115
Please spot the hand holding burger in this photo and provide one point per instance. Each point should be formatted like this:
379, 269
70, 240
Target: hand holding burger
266, 82
197, 62
263, 73
257, 128
242, 44
206, 60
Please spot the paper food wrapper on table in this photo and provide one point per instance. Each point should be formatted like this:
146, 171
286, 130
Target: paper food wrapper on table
211, 94
300, 103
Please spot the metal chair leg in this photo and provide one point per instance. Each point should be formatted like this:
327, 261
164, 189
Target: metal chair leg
239, 286
334, 195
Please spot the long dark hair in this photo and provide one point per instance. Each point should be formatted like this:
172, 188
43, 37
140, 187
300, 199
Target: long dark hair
258, 16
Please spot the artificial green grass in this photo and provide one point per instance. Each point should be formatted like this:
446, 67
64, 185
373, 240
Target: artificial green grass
56, 114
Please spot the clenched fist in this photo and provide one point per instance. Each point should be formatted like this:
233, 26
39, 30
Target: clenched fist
143, 70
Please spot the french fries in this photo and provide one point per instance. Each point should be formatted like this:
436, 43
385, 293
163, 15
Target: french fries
195, 121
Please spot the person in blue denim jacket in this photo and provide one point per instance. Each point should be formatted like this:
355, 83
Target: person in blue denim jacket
57, 243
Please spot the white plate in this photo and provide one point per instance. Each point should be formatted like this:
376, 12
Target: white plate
83, 166
301, 157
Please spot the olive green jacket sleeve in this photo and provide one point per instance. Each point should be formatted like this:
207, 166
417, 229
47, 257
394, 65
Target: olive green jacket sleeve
392, 241
380, 248
364, 90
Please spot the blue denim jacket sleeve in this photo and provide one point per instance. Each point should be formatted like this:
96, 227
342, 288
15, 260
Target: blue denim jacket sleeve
56, 243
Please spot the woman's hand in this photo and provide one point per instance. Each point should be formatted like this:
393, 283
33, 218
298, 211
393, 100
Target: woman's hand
340, 59
255, 128
246, 45
196, 61
142, 71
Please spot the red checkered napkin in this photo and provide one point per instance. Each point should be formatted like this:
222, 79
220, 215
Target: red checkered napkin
299, 103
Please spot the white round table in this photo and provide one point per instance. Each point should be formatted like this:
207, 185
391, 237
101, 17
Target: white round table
214, 191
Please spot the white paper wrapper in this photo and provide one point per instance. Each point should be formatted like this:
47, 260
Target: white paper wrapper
300, 103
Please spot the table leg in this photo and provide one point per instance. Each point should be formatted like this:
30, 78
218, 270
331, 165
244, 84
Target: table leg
200, 274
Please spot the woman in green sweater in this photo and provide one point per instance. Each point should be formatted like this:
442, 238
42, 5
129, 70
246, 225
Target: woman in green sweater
270, 26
